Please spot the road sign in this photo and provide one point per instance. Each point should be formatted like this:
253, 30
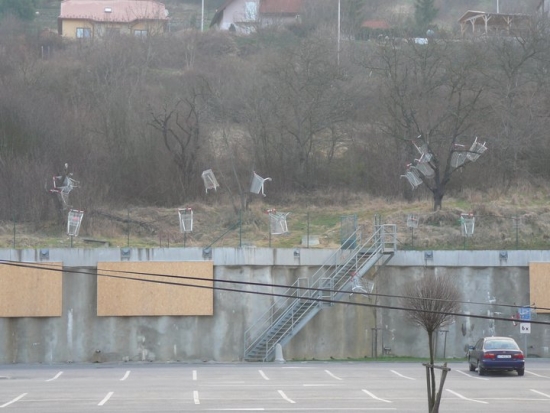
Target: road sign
525, 328
524, 313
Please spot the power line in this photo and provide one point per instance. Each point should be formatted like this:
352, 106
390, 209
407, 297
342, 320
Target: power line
251, 283
271, 294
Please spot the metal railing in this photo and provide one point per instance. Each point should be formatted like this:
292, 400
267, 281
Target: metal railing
303, 299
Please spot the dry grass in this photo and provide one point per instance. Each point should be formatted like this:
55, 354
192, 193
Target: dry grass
319, 214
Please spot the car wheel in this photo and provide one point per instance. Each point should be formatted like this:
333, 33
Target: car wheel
521, 372
472, 367
481, 370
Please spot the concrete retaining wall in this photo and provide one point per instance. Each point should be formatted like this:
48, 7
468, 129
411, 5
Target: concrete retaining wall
340, 331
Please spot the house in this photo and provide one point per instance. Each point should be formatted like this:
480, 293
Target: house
245, 16
543, 7
375, 25
82, 19
483, 23
374, 29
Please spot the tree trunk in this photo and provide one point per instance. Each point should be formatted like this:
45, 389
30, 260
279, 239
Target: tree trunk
432, 395
438, 199
445, 370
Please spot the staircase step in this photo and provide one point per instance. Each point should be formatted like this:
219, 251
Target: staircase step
302, 308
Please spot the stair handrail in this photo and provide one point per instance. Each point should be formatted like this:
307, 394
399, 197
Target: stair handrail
292, 293
297, 305
289, 318
377, 245
373, 245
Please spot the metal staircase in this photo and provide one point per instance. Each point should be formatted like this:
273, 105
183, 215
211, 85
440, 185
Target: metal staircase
307, 296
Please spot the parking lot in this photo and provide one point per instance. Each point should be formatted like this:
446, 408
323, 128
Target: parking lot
271, 387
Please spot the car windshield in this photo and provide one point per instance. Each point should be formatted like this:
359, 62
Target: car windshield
501, 345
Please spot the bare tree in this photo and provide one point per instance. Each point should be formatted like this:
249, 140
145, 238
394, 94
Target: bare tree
180, 128
430, 95
106, 101
516, 95
324, 14
431, 302
306, 98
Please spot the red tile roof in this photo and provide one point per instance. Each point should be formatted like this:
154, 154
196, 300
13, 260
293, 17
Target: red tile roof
280, 6
375, 24
113, 10
292, 7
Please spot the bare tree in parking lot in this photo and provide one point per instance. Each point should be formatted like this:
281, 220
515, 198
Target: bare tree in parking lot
431, 302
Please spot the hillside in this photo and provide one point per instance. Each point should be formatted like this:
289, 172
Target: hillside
215, 223
186, 13
116, 140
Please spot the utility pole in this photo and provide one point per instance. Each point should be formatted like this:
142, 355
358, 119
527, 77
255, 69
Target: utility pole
338, 51
202, 15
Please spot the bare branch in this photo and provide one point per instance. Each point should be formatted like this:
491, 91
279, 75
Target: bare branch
432, 301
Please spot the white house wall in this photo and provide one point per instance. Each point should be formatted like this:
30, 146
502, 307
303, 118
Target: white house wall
237, 12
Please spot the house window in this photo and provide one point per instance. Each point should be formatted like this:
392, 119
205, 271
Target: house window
140, 33
83, 33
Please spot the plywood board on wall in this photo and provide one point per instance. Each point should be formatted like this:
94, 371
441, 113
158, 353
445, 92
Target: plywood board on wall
31, 290
539, 285
155, 288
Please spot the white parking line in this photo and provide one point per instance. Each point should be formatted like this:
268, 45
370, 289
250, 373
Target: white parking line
541, 393
284, 396
538, 375
466, 398
125, 376
105, 399
470, 376
195, 375
196, 397
314, 409
263, 375
400, 375
332, 375
374, 397
56, 376
14, 400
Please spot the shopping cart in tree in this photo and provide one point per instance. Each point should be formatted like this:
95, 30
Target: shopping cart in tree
62, 186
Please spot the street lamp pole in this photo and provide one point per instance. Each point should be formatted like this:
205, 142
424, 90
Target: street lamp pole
338, 51
498, 10
202, 16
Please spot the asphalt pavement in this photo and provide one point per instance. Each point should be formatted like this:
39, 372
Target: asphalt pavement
269, 387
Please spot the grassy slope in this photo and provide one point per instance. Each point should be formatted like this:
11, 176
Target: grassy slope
319, 215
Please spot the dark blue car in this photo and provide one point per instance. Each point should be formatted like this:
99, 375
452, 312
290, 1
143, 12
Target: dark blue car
496, 353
